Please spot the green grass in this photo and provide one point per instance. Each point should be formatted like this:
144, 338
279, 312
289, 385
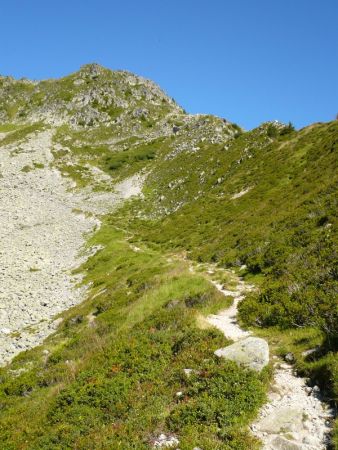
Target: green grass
271, 229
7, 127
112, 382
20, 133
30, 168
283, 230
118, 164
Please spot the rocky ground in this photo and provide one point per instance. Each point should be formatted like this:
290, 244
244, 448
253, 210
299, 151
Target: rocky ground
294, 418
43, 228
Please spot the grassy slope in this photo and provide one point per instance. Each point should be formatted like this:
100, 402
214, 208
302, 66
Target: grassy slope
111, 373
81, 150
283, 229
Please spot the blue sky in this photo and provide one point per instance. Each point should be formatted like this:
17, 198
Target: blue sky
246, 60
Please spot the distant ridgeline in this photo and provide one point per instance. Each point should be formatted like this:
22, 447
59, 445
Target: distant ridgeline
262, 203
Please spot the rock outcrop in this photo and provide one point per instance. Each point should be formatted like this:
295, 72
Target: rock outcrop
252, 353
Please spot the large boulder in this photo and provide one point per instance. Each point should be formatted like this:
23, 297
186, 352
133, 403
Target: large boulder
251, 352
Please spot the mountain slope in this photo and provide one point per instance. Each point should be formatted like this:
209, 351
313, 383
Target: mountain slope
267, 203
261, 203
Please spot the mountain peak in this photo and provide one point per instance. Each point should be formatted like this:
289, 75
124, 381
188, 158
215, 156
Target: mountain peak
92, 96
93, 69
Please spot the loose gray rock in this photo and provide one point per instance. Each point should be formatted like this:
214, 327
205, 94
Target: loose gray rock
289, 357
280, 443
283, 420
41, 240
252, 353
165, 441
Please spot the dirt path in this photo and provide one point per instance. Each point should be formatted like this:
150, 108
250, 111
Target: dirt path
226, 321
294, 418
42, 233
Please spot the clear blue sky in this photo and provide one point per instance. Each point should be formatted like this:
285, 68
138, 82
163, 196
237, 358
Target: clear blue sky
246, 60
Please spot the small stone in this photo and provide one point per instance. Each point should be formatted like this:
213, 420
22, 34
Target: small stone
5, 331
310, 351
164, 441
172, 304
274, 396
284, 366
289, 357
315, 390
309, 440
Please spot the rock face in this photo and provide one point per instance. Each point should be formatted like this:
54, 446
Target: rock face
252, 353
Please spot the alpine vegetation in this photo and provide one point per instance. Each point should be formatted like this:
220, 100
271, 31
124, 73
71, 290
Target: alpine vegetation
167, 280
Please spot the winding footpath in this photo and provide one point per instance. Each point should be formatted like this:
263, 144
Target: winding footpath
294, 418
44, 224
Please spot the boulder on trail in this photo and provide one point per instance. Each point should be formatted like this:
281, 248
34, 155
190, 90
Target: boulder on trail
252, 353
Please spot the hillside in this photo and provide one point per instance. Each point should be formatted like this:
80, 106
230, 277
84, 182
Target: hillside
127, 355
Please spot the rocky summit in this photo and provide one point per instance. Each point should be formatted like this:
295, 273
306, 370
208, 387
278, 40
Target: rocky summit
167, 280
